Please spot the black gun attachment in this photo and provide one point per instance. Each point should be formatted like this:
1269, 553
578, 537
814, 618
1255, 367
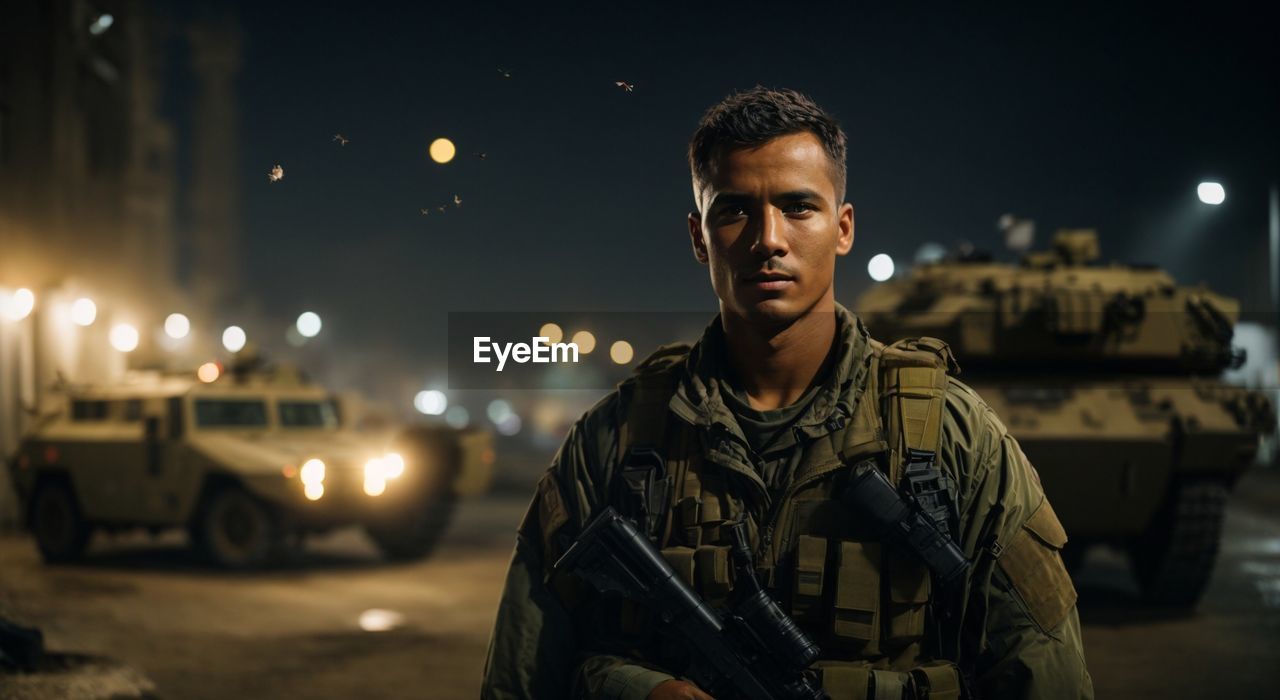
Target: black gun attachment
753, 650
903, 522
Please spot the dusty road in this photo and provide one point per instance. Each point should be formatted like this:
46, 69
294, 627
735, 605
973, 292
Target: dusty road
296, 632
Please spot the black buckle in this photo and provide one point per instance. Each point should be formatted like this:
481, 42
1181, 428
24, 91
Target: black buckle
645, 488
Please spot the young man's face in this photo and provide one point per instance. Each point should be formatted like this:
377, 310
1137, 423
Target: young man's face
770, 228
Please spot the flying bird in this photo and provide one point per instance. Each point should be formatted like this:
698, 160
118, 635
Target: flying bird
457, 201
482, 155
628, 87
504, 72
425, 212
440, 209
342, 140
276, 174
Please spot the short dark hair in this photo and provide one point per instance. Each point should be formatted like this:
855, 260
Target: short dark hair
754, 117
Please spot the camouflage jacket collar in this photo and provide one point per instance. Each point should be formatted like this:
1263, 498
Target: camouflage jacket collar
697, 398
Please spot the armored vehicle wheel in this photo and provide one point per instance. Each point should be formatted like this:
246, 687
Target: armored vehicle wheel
60, 530
1174, 559
414, 535
235, 530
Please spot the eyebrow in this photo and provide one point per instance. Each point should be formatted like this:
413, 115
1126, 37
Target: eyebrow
800, 195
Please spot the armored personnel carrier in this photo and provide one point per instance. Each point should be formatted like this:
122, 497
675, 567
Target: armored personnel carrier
247, 463
1108, 377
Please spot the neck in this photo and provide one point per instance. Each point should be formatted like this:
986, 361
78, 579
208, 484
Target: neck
776, 363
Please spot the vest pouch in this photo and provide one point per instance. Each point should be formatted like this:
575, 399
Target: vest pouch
937, 680
681, 559
688, 512
909, 586
711, 571
856, 614
845, 680
811, 567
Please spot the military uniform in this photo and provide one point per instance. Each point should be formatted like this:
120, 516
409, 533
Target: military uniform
1013, 630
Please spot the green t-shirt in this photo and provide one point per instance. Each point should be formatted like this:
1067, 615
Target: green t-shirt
769, 432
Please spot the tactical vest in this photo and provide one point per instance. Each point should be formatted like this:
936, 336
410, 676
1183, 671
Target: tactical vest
866, 605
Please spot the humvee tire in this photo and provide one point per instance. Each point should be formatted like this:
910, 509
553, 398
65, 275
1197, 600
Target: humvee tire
235, 530
416, 534
60, 530
1173, 560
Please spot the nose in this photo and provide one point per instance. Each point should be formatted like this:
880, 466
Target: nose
770, 241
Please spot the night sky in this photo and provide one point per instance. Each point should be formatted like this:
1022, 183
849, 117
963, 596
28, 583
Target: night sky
1099, 117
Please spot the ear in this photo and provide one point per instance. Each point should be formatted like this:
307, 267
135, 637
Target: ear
844, 243
695, 237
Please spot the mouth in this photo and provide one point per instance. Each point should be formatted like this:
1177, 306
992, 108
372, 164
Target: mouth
767, 281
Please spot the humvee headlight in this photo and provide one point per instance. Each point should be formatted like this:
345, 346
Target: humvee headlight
394, 464
374, 486
375, 476
313, 472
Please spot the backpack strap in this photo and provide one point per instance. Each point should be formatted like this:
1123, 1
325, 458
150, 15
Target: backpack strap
645, 480
913, 393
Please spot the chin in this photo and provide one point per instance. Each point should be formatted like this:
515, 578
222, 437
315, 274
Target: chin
771, 311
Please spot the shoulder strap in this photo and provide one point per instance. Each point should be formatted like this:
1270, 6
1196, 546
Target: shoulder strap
644, 482
913, 386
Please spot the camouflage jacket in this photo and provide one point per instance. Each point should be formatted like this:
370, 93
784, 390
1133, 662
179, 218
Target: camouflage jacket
1018, 635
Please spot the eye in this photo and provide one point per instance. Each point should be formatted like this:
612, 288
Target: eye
731, 211
798, 208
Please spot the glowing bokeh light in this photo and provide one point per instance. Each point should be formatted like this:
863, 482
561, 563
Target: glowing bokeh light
551, 332
209, 372
234, 338
19, 305
378, 620
431, 402
309, 324
510, 425
498, 410
124, 337
457, 417
585, 342
84, 311
442, 150
880, 268
621, 352
177, 326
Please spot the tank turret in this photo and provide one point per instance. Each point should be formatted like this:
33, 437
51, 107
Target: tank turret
1108, 376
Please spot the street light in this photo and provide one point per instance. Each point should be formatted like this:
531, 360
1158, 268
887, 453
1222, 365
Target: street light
1214, 193
1211, 193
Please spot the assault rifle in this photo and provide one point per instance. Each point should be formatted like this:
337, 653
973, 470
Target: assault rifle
752, 650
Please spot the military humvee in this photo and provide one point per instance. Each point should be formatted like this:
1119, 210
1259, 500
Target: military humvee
248, 463
1108, 376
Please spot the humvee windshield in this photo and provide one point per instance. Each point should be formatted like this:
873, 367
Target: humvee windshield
225, 413
307, 414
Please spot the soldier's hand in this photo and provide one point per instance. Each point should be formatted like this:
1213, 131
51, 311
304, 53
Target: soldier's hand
678, 690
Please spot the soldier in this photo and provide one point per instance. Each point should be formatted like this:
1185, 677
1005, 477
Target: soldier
764, 418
